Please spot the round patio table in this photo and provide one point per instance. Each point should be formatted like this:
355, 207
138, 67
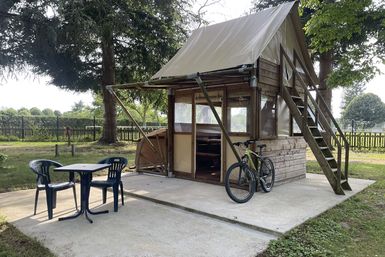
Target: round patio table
85, 171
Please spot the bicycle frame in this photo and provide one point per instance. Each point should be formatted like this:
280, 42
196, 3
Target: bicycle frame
250, 154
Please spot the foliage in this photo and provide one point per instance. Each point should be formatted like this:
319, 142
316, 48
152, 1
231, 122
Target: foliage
351, 92
47, 112
8, 138
3, 158
352, 30
23, 112
35, 111
366, 108
8, 112
87, 44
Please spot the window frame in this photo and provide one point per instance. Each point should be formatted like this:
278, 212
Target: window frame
275, 134
248, 114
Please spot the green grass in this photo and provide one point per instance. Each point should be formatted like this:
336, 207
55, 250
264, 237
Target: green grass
355, 227
15, 173
13, 243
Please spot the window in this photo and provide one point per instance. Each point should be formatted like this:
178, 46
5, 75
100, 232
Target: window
183, 114
268, 116
238, 107
204, 115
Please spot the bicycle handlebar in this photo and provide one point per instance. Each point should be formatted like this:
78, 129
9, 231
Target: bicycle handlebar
249, 142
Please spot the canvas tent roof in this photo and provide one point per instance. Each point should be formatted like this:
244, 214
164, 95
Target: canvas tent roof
233, 43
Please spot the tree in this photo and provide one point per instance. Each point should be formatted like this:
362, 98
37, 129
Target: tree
35, 111
351, 92
47, 112
57, 113
8, 112
366, 108
23, 112
78, 107
347, 37
91, 44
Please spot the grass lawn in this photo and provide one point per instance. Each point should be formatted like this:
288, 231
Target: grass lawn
355, 227
15, 173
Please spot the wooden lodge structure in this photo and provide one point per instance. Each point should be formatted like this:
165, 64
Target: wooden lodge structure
246, 78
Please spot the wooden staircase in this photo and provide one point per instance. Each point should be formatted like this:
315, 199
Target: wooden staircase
314, 125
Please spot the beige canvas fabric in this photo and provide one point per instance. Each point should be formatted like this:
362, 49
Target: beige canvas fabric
228, 44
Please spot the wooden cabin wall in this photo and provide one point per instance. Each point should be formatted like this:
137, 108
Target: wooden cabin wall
287, 152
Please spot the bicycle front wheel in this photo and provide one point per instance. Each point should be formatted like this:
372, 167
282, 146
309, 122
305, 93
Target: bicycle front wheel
266, 174
240, 183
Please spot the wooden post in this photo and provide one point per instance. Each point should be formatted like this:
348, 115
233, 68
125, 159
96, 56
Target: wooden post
57, 128
22, 128
94, 129
170, 131
56, 150
254, 112
73, 150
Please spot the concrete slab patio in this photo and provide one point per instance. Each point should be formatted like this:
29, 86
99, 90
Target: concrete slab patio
139, 228
284, 208
177, 218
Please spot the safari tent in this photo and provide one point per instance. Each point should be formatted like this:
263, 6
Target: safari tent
246, 78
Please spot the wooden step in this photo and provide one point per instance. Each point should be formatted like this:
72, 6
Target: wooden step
323, 148
329, 158
296, 97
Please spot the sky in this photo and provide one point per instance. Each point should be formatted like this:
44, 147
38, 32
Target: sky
35, 91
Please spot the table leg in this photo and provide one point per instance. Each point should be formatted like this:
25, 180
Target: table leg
85, 179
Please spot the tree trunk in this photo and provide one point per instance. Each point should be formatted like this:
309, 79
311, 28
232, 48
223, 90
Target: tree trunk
326, 68
108, 78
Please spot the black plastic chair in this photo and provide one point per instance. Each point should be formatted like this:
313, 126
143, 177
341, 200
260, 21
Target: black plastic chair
43, 182
113, 179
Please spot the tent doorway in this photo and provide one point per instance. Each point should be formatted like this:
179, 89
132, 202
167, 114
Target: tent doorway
208, 138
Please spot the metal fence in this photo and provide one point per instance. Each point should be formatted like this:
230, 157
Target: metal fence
364, 140
58, 129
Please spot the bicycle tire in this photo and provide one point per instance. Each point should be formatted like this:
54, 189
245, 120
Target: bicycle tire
266, 174
244, 187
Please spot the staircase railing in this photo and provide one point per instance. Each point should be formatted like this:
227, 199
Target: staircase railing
319, 116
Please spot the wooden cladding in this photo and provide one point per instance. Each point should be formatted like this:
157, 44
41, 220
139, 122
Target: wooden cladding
268, 73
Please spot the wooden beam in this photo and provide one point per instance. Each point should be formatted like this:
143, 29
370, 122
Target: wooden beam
170, 130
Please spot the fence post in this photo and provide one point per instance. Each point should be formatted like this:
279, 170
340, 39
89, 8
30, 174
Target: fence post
73, 150
94, 128
56, 150
57, 128
22, 128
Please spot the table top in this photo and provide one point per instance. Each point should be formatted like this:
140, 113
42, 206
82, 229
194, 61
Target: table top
83, 167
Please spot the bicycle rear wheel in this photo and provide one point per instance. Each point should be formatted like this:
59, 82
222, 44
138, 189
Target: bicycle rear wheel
240, 183
266, 174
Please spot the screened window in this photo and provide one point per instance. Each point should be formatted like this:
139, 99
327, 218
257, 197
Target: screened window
204, 115
238, 108
268, 116
183, 114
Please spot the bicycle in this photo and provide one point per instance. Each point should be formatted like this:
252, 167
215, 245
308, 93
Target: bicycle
241, 177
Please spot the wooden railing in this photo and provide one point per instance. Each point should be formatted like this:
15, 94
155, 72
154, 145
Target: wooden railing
317, 104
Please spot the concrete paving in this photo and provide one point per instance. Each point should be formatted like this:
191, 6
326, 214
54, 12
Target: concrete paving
178, 218
139, 228
284, 208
